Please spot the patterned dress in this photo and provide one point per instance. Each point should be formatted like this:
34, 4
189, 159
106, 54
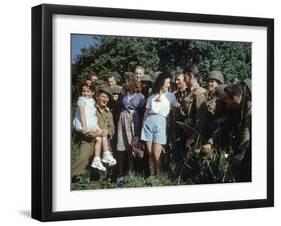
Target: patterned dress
129, 122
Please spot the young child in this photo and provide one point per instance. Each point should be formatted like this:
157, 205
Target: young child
86, 122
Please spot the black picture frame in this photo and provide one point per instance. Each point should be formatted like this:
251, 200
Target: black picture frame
42, 108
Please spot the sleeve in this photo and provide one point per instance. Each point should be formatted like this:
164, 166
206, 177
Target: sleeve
142, 101
81, 101
149, 102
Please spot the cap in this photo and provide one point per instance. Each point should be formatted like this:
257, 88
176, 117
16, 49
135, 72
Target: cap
116, 90
105, 89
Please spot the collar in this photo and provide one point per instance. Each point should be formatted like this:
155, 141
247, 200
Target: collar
102, 109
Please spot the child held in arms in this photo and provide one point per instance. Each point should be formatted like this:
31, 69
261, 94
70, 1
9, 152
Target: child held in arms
86, 122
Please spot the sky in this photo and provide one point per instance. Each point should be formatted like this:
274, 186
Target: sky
78, 42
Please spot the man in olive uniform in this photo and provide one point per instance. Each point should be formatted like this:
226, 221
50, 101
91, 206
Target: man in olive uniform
104, 115
215, 108
87, 142
194, 106
189, 115
241, 120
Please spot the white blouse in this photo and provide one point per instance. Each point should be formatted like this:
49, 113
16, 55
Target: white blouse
162, 107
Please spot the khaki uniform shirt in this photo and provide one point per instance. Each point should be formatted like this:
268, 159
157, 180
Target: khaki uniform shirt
192, 110
105, 119
216, 111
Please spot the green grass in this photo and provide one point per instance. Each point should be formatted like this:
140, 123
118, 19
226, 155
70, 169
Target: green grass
131, 180
196, 168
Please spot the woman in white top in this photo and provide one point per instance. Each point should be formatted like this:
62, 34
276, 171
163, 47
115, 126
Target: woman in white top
154, 125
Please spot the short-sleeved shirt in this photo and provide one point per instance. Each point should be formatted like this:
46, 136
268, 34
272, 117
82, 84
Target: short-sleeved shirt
162, 107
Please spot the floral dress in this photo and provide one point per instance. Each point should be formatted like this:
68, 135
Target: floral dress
129, 122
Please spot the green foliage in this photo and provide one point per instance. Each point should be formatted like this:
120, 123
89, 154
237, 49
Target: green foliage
232, 58
196, 168
121, 54
201, 168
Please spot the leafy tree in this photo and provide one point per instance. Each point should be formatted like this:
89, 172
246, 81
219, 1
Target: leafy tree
121, 54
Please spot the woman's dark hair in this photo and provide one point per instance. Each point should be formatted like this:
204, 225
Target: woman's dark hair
133, 85
233, 91
159, 81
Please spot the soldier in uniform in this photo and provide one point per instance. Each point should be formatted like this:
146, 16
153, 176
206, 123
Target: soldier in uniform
87, 142
194, 106
215, 108
240, 118
189, 115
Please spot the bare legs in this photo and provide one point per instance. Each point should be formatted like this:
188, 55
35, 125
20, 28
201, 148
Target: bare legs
101, 144
104, 143
154, 160
98, 147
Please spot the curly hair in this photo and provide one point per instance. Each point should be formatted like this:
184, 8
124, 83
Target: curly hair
133, 85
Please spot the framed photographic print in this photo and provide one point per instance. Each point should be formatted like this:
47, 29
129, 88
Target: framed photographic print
145, 112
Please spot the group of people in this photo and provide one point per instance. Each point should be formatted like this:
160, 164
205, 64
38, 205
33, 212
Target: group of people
148, 113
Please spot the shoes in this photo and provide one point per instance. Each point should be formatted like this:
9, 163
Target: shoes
107, 158
119, 180
97, 164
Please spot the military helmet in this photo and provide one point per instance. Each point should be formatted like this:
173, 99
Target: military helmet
116, 90
217, 75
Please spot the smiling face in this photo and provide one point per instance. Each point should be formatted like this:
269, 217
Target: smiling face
166, 85
180, 83
102, 99
111, 82
86, 92
212, 85
138, 73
